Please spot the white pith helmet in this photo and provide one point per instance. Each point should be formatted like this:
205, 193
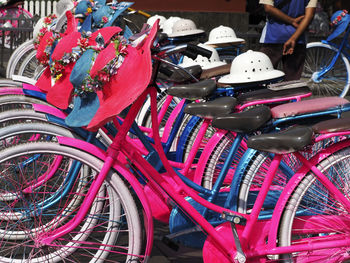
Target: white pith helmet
64, 5
223, 35
152, 19
184, 27
204, 62
251, 66
169, 23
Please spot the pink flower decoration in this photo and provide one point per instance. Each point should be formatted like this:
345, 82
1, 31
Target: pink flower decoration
43, 30
103, 76
104, 19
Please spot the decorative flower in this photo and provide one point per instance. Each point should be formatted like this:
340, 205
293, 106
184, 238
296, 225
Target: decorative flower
105, 19
47, 21
104, 75
83, 43
339, 18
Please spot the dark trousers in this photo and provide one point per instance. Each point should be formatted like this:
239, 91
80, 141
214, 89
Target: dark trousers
292, 64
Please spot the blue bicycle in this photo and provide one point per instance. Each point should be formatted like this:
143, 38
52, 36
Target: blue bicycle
327, 67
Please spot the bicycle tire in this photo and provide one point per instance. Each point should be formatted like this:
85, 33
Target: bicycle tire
216, 157
8, 83
23, 132
322, 217
95, 239
17, 56
18, 102
23, 116
30, 67
336, 82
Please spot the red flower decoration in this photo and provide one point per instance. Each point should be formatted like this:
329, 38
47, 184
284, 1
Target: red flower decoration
43, 30
83, 42
58, 67
50, 41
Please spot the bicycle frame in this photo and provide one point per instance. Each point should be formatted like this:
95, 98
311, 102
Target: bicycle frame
120, 147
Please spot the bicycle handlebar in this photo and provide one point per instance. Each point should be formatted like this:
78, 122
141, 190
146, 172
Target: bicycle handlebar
139, 12
199, 50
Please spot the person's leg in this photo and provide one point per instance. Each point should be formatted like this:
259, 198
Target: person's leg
293, 64
274, 52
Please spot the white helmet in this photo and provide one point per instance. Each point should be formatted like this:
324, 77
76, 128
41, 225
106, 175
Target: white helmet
251, 66
152, 19
223, 35
184, 27
64, 5
169, 23
204, 62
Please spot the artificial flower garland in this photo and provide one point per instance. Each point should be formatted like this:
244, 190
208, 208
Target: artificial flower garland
339, 18
57, 66
47, 22
110, 69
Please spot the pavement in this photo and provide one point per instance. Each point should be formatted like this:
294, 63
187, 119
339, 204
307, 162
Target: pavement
161, 253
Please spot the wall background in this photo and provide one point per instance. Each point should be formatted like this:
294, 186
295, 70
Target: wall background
192, 5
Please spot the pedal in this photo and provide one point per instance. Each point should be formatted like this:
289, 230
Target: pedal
236, 219
171, 244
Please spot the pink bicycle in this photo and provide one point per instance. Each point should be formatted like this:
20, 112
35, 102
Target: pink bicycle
85, 204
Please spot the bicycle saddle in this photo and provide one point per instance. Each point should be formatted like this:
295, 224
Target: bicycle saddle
307, 106
209, 109
177, 75
263, 94
214, 72
334, 125
198, 90
244, 122
290, 140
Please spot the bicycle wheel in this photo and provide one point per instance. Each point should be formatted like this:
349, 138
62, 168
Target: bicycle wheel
17, 57
8, 102
8, 83
186, 136
25, 132
216, 158
333, 83
313, 216
30, 67
111, 230
23, 116
251, 176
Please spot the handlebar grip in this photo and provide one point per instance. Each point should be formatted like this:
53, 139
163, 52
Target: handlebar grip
166, 71
190, 54
162, 37
199, 50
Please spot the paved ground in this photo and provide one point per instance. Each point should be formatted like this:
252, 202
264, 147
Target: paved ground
161, 253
